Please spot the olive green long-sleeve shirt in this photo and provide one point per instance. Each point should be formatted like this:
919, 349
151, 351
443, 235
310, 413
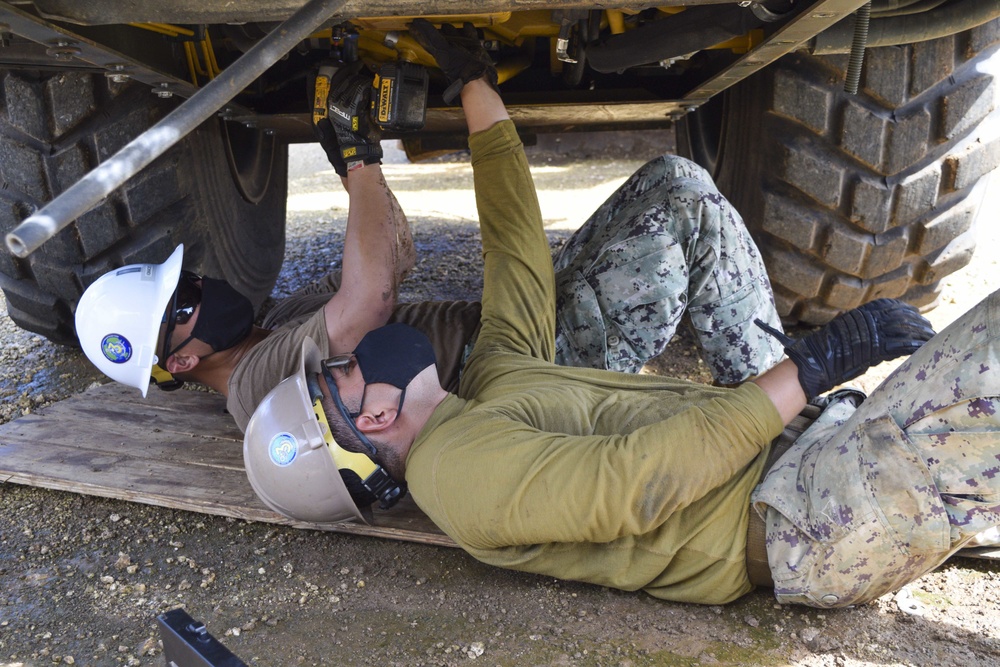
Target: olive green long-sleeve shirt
628, 481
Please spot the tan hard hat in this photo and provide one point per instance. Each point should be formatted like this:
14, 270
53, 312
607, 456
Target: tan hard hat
291, 458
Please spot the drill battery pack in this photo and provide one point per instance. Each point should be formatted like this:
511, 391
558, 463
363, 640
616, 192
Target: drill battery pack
401, 96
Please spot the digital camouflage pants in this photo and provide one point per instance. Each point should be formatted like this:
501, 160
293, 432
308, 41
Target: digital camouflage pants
870, 498
665, 243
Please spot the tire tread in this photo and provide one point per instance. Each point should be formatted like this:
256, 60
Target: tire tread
852, 198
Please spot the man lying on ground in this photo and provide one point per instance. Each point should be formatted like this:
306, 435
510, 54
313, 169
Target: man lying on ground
637, 481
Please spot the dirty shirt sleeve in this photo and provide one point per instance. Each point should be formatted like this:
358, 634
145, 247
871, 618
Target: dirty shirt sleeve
507, 483
518, 280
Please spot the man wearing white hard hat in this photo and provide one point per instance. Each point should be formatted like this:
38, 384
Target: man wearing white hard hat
122, 342
665, 246
156, 321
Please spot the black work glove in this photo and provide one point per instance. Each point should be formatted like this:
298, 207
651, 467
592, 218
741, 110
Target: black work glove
459, 54
328, 140
346, 132
853, 342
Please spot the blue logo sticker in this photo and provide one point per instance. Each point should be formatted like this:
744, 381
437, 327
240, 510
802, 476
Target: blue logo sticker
282, 449
116, 348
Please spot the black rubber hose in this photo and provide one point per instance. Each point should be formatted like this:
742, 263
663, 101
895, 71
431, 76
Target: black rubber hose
915, 8
694, 29
942, 22
880, 7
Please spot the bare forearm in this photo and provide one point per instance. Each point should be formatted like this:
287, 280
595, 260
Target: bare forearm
404, 241
482, 105
378, 252
378, 248
781, 384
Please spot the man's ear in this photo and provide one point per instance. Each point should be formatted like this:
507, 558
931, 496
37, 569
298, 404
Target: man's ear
373, 422
182, 363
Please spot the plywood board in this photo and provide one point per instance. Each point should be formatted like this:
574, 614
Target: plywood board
182, 450
176, 449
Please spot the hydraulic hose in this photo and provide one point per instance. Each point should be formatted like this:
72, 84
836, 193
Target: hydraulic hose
694, 29
914, 8
946, 20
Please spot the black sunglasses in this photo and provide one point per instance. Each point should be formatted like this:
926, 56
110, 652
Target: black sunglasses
186, 298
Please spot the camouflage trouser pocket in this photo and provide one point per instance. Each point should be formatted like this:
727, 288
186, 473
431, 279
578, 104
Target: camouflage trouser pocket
868, 520
734, 309
628, 304
580, 332
733, 347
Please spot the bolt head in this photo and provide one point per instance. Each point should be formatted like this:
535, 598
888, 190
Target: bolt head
62, 51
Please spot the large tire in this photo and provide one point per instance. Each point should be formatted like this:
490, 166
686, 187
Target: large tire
220, 194
851, 198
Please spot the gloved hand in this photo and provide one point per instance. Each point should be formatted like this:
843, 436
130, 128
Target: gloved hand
853, 342
345, 131
328, 140
458, 53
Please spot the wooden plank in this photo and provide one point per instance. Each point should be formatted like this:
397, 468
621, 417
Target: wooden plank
179, 450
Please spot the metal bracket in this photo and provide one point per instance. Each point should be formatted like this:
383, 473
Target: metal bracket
810, 20
187, 643
69, 48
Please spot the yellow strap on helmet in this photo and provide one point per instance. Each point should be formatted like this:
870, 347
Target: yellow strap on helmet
163, 379
344, 459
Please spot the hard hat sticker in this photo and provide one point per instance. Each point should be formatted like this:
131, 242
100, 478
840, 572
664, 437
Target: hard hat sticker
282, 449
116, 348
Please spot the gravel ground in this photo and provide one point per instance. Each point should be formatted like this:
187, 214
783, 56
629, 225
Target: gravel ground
82, 579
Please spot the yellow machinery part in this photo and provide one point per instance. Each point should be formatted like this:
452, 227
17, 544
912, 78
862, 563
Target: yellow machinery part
508, 27
191, 50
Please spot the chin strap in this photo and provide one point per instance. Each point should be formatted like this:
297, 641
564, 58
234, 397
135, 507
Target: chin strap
373, 477
163, 380
385, 488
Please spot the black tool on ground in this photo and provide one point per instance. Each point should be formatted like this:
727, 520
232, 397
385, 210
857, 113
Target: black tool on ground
400, 99
187, 643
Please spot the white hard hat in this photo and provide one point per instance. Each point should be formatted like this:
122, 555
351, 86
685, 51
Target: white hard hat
118, 318
292, 460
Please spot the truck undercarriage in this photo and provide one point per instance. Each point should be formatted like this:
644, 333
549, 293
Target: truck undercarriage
851, 196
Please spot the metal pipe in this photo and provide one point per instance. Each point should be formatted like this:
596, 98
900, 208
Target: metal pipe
86, 193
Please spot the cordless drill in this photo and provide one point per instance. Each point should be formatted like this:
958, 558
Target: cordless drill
400, 99
399, 95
